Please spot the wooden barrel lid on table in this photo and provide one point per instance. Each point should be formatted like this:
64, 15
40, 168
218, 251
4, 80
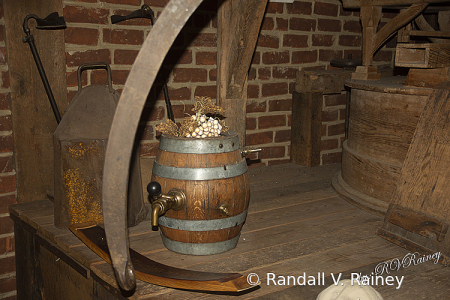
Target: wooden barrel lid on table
213, 175
382, 120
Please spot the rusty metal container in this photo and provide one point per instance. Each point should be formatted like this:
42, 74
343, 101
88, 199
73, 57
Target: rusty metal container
79, 149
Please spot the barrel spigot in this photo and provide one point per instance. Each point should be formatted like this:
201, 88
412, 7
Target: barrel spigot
175, 199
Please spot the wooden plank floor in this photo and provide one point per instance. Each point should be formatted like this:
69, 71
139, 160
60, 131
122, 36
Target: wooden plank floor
297, 225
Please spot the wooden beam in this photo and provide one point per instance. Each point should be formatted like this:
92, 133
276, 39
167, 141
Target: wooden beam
238, 29
33, 120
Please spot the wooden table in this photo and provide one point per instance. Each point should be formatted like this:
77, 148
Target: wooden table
296, 223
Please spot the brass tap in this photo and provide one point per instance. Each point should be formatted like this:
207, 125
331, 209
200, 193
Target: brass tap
175, 199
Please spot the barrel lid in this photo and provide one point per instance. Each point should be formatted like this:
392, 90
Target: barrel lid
227, 142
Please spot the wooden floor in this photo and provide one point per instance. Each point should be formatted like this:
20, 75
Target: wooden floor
297, 225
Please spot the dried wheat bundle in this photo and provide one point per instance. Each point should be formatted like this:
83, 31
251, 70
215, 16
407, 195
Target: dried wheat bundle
187, 126
204, 106
168, 128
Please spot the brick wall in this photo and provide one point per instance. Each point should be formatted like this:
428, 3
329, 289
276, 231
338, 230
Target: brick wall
7, 177
304, 34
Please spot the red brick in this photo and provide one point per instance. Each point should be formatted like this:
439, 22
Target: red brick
251, 74
7, 284
1, 11
350, 40
331, 158
2, 33
2, 56
203, 40
6, 224
278, 162
282, 24
180, 111
274, 8
256, 106
268, 41
118, 77
285, 72
295, 41
329, 25
356, 54
125, 57
259, 138
280, 105
352, 26
267, 24
345, 12
77, 58
327, 55
154, 113
264, 73
274, 89
335, 99
342, 114
72, 78
253, 91
4, 101
272, 152
336, 129
6, 201
270, 58
6, 143
5, 123
326, 9
6, 164
190, 75
176, 57
256, 58
250, 123
157, 3
330, 115
81, 36
133, 22
213, 75
123, 36
291, 87
266, 122
129, 2
323, 40
324, 130
183, 93
206, 58
282, 136
148, 149
299, 8
145, 132
302, 24
329, 144
80, 14
208, 91
303, 57
5, 79
6, 245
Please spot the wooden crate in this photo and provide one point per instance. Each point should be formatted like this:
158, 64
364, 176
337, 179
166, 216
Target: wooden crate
422, 55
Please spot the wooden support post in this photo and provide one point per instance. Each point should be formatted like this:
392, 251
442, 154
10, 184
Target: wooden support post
33, 120
239, 23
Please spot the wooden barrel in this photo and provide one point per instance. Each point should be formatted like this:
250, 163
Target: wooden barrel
213, 174
382, 120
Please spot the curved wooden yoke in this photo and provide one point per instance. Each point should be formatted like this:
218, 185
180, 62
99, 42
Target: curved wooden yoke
123, 131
